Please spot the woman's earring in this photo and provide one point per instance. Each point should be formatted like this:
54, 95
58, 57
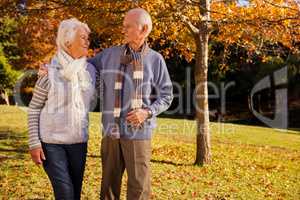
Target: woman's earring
68, 44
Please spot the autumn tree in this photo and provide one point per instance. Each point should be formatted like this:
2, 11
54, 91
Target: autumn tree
258, 26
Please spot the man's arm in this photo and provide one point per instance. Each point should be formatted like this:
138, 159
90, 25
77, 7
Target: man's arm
96, 61
164, 89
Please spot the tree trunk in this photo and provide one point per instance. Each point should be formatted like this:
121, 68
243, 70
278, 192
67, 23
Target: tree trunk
201, 34
5, 97
203, 154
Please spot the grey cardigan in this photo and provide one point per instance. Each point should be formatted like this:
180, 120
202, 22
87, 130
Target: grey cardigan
49, 111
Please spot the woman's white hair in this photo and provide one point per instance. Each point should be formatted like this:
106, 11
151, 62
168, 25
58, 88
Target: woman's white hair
67, 31
143, 18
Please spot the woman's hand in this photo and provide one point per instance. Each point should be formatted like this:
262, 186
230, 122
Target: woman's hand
37, 155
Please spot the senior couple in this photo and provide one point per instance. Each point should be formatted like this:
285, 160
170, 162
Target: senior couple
126, 77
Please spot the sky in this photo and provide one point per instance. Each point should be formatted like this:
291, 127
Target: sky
243, 2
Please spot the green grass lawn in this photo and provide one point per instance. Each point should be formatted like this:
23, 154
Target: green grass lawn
249, 162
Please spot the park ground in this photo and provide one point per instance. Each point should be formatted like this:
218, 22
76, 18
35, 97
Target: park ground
248, 162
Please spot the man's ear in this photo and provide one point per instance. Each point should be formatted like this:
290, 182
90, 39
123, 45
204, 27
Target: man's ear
145, 29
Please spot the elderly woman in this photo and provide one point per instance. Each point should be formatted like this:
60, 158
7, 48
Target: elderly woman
58, 111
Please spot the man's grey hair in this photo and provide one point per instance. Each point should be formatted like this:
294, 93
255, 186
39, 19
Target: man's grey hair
67, 31
143, 18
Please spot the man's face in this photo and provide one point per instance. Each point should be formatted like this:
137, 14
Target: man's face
133, 33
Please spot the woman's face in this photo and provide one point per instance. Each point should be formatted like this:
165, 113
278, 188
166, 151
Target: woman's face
80, 45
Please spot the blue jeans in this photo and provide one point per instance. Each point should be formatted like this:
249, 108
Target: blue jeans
64, 166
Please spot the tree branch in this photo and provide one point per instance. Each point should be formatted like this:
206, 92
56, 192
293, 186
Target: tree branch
280, 6
189, 24
192, 2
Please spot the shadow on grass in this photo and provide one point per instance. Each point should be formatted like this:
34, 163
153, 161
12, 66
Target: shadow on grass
6, 135
152, 160
17, 150
13, 145
170, 163
93, 156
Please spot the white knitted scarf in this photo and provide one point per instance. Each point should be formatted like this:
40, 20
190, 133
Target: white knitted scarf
75, 71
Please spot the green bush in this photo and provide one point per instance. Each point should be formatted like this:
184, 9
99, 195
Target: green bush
8, 76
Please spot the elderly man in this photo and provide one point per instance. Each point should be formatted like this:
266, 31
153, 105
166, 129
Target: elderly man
130, 76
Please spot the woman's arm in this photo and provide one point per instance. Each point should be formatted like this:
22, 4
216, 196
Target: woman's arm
37, 102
